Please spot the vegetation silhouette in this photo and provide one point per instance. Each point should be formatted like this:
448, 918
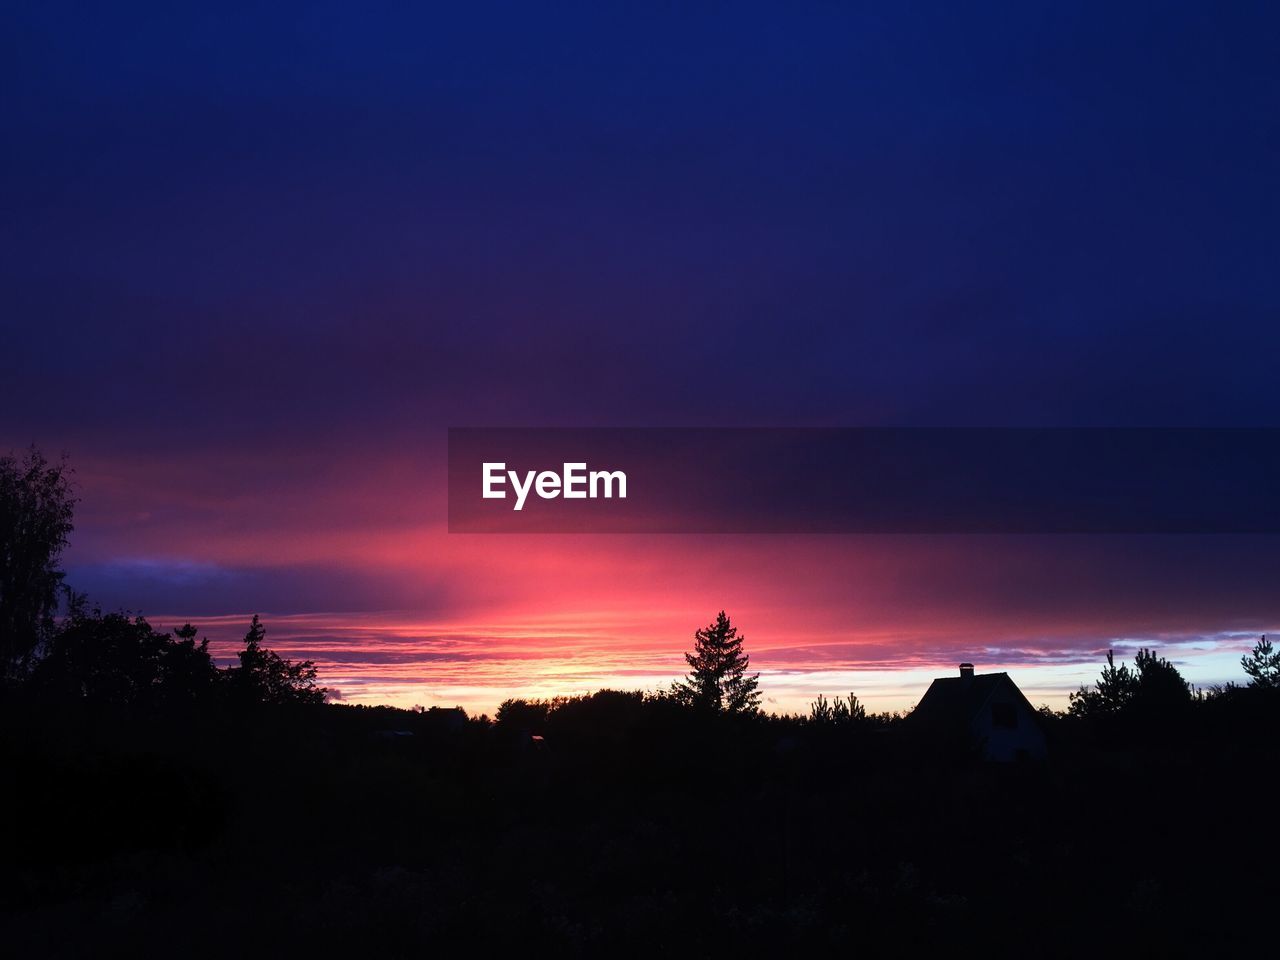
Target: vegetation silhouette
149, 789
717, 680
265, 677
36, 507
837, 712
1153, 685
1262, 665
112, 658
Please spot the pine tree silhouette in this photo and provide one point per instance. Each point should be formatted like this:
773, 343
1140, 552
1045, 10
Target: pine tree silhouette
1262, 664
717, 679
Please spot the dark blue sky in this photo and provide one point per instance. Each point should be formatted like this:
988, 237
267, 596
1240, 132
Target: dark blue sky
382, 217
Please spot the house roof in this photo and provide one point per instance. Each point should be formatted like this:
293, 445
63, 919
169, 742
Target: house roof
960, 699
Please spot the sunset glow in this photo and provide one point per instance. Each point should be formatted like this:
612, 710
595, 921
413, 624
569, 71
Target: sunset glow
347, 568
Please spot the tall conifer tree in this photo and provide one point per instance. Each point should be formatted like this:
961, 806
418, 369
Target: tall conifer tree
718, 679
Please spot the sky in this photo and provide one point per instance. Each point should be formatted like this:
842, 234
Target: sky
255, 262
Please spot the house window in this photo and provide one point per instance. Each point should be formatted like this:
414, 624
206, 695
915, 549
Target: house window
1004, 715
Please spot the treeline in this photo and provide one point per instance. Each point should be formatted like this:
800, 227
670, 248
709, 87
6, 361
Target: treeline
115, 659
108, 658
121, 660
112, 658
1153, 686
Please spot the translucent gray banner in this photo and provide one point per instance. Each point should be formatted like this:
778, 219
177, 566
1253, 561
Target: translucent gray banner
864, 480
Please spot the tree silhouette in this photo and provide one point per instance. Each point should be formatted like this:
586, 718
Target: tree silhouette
113, 658
1160, 685
36, 506
265, 677
1262, 664
717, 679
1111, 694
523, 716
838, 712
1155, 683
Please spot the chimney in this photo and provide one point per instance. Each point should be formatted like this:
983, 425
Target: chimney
966, 671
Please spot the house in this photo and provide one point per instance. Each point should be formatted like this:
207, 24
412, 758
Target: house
990, 708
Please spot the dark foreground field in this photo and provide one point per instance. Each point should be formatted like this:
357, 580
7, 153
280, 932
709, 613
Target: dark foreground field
634, 827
